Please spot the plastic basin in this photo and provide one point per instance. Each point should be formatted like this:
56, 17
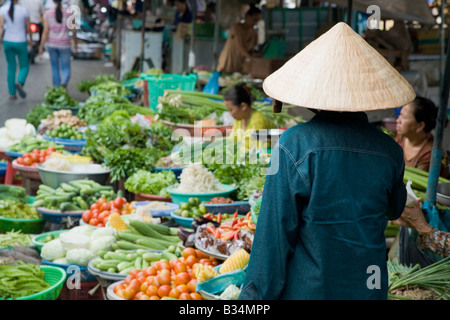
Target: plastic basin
25, 225
178, 197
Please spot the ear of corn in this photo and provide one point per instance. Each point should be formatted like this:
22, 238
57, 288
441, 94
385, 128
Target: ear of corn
116, 222
238, 260
204, 272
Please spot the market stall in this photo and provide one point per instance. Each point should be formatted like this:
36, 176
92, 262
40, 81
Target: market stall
148, 201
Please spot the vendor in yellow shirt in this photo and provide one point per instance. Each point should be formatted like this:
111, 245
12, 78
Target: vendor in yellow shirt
238, 100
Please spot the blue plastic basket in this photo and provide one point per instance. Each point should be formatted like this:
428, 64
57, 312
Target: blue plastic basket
13, 154
158, 83
158, 212
71, 145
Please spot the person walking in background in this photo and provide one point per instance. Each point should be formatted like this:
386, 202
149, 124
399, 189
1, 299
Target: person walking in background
56, 35
15, 45
237, 53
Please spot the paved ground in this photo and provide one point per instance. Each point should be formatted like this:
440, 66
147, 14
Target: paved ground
39, 78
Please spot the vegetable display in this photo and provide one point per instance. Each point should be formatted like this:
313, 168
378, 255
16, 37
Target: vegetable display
77, 195
419, 179
187, 107
18, 210
28, 144
124, 261
124, 146
224, 236
58, 97
79, 245
147, 182
112, 87
191, 208
434, 278
13, 193
36, 156
14, 131
19, 252
14, 238
102, 105
65, 131
143, 235
62, 117
99, 212
85, 85
38, 113
165, 278
21, 280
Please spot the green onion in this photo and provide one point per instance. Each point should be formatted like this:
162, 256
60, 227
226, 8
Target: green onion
435, 277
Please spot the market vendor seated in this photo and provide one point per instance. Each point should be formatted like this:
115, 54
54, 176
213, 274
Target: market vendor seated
414, 134
238, 101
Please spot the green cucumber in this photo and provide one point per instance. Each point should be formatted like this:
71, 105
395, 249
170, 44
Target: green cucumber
123, 244
127, 270
112, 255
68, 188
168, 255
124, 265
68, 206
152, 256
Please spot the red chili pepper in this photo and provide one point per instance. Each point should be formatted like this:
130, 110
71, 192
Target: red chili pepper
207, 216
211, 230
248, 215
219, 217
235, 215
233, 223
228, 235
240, 224
236, 235
217, 235
226, 226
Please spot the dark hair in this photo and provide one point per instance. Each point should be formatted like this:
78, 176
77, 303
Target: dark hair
238, 94
58, 11
425, 111
253, 11
11, 10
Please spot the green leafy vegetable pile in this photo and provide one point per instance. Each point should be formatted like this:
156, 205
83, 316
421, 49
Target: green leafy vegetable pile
99, 106
125, 146
147, 182
39, 112
85, 85
112, 87
59, 97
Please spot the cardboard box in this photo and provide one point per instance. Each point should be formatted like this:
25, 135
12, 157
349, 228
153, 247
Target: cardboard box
263, 67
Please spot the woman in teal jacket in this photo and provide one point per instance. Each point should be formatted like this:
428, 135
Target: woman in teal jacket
334, 181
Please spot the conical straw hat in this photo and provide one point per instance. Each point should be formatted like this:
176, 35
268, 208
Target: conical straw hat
339, 71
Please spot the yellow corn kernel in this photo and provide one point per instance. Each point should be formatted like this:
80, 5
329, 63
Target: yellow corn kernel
116, 222
238, 260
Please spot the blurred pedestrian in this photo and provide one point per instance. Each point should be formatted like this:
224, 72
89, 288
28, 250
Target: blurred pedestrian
237, 53
15, 45
56, 35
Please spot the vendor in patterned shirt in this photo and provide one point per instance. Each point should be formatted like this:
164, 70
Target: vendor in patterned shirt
430, 239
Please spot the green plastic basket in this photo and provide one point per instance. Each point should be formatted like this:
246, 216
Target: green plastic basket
25, 225
56, 277
38, 241
158, 83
